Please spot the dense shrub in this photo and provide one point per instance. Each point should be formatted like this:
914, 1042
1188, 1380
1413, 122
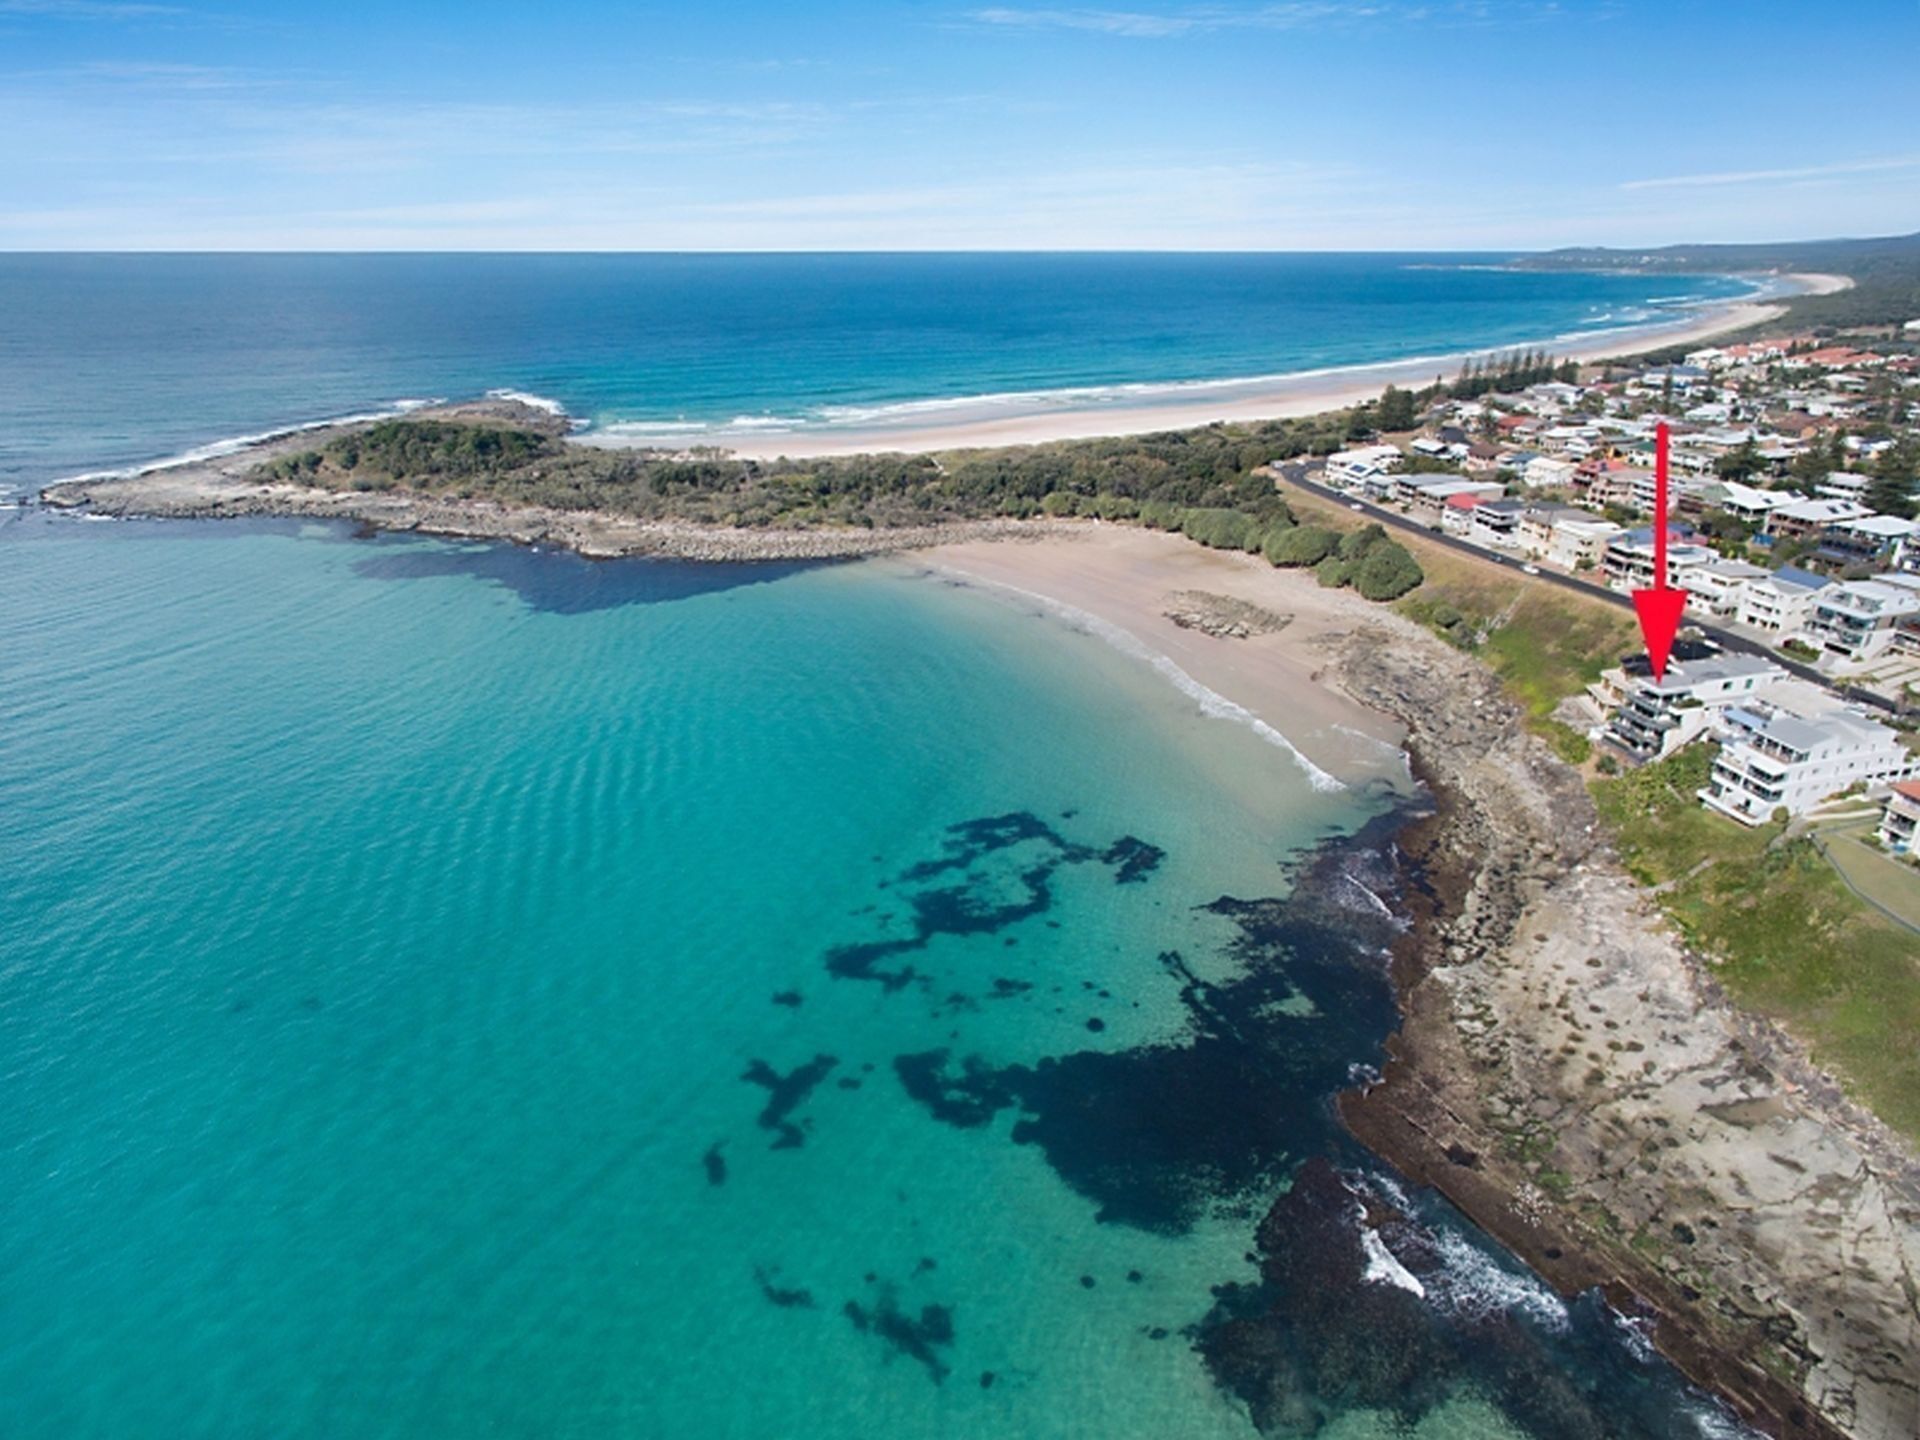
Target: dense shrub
1387, 572
1302, 545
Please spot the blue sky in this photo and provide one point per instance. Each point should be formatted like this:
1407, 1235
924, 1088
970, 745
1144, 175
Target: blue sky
1304, 124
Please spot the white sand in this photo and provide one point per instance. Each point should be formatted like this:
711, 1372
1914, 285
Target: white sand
1127, 577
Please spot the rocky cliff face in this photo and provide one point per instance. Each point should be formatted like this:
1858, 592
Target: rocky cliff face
1572, 1078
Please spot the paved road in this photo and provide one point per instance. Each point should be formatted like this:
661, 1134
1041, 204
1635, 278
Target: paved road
1295, 474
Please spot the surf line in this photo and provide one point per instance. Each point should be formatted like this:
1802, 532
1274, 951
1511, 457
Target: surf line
1211, 702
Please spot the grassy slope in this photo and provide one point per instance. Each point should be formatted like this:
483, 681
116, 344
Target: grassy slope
1787, 937
1793, 941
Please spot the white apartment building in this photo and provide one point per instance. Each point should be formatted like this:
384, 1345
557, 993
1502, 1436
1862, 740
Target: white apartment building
1856, 618
1794, 748
1718, 585
1656, 717
1543, 472
1629, 561
1780, 605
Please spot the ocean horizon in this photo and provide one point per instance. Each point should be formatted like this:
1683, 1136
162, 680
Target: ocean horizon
115, 362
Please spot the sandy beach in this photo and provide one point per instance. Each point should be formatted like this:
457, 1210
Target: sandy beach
1138, 581
991, 422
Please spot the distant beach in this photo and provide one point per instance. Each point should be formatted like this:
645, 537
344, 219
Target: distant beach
1038, 419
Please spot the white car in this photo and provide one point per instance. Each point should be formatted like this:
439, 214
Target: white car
1529, 569
1356, 505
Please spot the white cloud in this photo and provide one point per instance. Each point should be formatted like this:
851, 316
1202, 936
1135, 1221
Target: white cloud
1764, 177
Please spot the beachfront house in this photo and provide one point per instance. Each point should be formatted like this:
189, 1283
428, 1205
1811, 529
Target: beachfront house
1796, 747
1657, 717
1779, 605
1803, 518
1629, 559
1351, 469
1900, 819
1426, 497
1856, 619
1497, 523
1717, 586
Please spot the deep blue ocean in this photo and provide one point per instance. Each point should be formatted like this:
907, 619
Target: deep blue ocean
111, 361
451, 989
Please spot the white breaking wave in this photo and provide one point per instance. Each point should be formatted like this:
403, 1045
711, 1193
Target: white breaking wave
538, 402
1211, 702
1470, 1283
1384, 1268
233, 445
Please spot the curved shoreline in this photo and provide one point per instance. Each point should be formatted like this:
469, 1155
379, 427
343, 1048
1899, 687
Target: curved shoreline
1566, 1072
1253, 398
1271, 397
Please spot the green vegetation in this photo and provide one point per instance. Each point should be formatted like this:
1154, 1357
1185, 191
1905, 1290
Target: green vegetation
1156, 479
1790, 940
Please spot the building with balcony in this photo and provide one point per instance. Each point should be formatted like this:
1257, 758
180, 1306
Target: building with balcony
1856, 619
1795, 747
1900, 820
1779, 605
1657, 717
1629, 559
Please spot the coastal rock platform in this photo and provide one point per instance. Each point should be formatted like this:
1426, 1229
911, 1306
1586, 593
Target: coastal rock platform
1572, 1077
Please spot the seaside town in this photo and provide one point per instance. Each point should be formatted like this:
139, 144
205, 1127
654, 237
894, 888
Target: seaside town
1793, 534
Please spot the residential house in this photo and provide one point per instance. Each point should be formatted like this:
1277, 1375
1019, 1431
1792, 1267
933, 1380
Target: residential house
1426, 497
1657, 717
1804, 518
1796, 747
1870, 540
1900, 820
1780, 605
1350, 469
1856, 618
1629, 559
1718, 585
1497, 522
1843, 485
1544, 472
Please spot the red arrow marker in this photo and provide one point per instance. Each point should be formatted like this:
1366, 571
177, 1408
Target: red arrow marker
1659, 608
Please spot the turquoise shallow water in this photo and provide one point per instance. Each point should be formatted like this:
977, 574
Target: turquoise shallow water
447, 990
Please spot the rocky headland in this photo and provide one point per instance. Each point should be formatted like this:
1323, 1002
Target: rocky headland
1570, 1076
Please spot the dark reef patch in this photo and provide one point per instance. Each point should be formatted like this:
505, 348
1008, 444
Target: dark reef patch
790, 998
1323, 1332
1003, 868
787, 1298
919, 1337
715, 1163
1133, 859
968, 1099
785, 1094
1156, 1134
560, 582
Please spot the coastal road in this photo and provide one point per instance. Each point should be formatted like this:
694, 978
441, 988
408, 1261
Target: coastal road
1295, 474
